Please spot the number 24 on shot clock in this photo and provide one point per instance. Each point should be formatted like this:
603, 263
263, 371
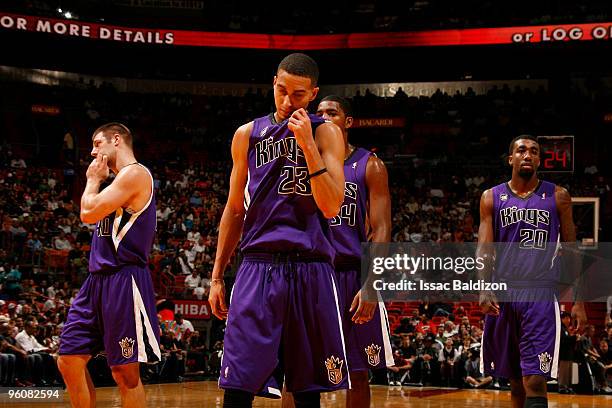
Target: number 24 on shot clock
556, 153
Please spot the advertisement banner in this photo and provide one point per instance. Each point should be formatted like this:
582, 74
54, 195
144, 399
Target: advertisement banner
427, 38
379, 122
192, 309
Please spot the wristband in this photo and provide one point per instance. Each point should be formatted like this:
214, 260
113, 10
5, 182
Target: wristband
317, 173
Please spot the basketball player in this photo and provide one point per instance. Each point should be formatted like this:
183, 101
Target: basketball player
286, 181
366, 197
521, 335
366, 200
115, 308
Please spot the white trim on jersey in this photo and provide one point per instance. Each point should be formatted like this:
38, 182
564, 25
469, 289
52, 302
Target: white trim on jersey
274, 391
223, 353
139, 309
384, 327
118, 235
557, 248
341, 331
482, 346
555, 363
247, 195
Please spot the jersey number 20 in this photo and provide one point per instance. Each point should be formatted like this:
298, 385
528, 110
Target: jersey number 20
533, 238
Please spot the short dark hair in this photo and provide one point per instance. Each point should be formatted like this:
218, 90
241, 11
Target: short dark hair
527, 137
301, 65
565, 314
344, 103
115, 127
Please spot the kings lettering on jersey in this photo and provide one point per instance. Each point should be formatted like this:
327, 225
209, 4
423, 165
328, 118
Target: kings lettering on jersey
268, 150
532, 216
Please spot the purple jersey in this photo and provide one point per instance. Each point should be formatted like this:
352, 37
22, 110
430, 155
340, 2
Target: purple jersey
533, 224
348, 228
123, 238
281, 214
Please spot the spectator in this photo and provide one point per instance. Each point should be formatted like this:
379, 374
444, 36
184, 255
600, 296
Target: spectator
192, 281
9, 346
475, 377
173, 362
7, 358
400, 369
405, 326
61, 242
606, 359
12, 282
43, 360
566, 353
84, 236
196, 350
183, 325
594, 360
18, 163
447, 358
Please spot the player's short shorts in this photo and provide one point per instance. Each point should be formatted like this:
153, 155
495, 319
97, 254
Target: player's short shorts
284, 324
368, 345
524, 339
114, 313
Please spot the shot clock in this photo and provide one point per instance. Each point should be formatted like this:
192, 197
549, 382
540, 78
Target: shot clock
556, 154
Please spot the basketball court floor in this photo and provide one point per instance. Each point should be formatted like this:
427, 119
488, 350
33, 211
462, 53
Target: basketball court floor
206, 394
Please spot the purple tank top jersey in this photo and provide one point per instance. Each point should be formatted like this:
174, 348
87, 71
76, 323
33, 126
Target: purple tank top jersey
348, 228
533, 224
281, 213
124, 238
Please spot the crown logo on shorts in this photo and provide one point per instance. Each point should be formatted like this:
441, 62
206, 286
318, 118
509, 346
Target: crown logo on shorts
127, 347
373, 352
545, 360
334, 369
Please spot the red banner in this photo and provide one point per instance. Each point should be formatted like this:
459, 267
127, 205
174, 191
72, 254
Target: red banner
192, 309
473, 36
379, 123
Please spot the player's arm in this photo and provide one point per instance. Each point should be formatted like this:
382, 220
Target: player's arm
570, 250
324, 150
96, 204
379, 214
232, 220
328, 188
379, 199
486, 251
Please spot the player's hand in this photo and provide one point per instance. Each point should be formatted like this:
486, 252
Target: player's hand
98, 168
365, 309
488, 304
216, 298
299, 124
579, 316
